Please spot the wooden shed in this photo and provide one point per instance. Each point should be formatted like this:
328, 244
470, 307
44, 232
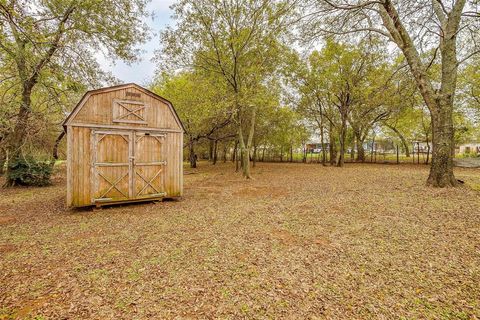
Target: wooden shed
124, 144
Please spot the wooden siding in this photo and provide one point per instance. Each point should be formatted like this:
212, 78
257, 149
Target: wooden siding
78, 162
98, 109
81, 177
106, 160
174, 167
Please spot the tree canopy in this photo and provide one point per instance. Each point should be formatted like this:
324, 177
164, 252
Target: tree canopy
253, 77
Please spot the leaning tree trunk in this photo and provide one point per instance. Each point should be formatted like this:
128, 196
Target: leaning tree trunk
56, 145
402, 138
439, 101
441, 108
17, 138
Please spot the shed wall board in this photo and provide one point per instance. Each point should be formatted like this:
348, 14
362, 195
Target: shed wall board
80, 191
97, 109
79, 166
96, 113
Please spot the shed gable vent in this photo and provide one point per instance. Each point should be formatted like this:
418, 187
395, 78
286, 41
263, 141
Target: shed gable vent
129, 111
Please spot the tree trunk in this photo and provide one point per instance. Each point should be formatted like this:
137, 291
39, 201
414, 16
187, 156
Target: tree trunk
215, 156
246, 148
332, 147
373, 149
235, 148
254, 157
225, 148
322, 142
55, 146
428, 153
3, 160
192, 157
17, 138
402, 138
236, 160
210, 150
443, 147
360, 151
343, 134
304, 153
439, 101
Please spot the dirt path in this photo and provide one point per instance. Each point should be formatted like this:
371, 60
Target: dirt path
299, 241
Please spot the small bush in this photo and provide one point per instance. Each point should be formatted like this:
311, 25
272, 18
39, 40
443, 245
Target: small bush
29, 172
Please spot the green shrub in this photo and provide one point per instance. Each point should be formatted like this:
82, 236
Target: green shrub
27, 171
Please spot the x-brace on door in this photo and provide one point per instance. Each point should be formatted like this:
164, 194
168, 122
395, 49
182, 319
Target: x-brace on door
149, 165
127, 165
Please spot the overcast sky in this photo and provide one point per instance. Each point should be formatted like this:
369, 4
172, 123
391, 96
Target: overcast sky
142, 72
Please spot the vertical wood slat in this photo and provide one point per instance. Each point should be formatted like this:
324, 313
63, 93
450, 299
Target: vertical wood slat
131, 159
86, 176
75, 164
81, 153
69, 165
93, 157
180, 163
76, 193
98, 109
81, 146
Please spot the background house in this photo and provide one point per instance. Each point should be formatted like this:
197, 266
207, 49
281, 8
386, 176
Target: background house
468, 148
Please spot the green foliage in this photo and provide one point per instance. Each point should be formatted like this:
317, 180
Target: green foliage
282, 129
48, 59
199, 99
27, 171
240, 44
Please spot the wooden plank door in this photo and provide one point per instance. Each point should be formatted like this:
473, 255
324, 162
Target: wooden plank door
149, 165
112, 165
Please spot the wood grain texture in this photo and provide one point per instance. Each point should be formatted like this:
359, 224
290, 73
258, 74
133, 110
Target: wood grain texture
112, 157
99, 109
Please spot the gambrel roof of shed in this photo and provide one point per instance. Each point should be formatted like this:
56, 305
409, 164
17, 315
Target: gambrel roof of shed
88, 94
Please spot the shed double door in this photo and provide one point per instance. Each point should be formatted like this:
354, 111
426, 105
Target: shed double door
127, 165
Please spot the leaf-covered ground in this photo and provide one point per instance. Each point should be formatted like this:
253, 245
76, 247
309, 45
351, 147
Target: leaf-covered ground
299, 241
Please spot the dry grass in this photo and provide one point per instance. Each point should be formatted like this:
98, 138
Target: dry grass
299, 241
